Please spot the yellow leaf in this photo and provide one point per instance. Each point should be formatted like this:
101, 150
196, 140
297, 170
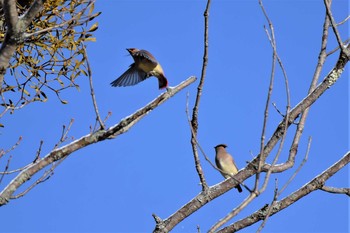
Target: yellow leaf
93, 27
26, 92
91, 8
93, 39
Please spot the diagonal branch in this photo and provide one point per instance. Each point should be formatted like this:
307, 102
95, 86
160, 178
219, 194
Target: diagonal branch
302, 108
100, 135
316, 184
217, 190
35, 8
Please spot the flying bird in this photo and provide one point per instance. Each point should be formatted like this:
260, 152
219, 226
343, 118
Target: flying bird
225, 163
144, 66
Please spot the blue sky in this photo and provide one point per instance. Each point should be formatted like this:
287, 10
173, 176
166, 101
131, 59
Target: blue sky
116, 185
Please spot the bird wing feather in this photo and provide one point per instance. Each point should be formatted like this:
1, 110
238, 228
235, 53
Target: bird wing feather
130, 77
227, 164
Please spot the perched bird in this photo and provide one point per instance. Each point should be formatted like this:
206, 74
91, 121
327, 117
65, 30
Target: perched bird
225, 163
145, 66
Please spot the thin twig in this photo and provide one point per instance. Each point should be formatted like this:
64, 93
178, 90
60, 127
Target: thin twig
336, 190
4, 152
194, 121
337, 48
262, 157
46, 175
343, 49
234, 212
299, 168
278, 193
6, 168
15, 170
109, 114
64, 133
267, 105
38, 151
196, 140
344, 21
205, 155
279, 151
92, 92
28, 35
274, 200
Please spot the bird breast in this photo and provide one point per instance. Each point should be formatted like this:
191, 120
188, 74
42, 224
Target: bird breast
150, 68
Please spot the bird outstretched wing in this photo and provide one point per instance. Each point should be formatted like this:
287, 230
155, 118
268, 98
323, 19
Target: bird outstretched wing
130, 77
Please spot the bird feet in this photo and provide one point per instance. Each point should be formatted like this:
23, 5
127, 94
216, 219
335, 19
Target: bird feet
169, 89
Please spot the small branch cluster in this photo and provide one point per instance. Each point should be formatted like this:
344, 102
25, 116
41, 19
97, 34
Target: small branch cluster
47, 51
59, 152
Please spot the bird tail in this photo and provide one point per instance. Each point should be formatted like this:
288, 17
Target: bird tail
239, 188
162, 81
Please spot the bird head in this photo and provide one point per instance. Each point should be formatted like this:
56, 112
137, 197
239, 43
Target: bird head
221, 145
132, 50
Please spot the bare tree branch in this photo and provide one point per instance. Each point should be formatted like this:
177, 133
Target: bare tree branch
92, 92
3, 152
8, 46
205, 155
11, 15
343, 21
269, 93
44, 177
35, 8
316, 184
272, 40
261, 160
234, 212
100, 135
337, 48
6, 168
65, 131
275, 196
215, 191
299, 168
278, 193
43, 50
327, 4
194, 121
15, 32
336, 190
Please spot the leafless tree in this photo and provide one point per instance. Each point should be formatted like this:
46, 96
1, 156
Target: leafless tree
259, 165
43, 49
